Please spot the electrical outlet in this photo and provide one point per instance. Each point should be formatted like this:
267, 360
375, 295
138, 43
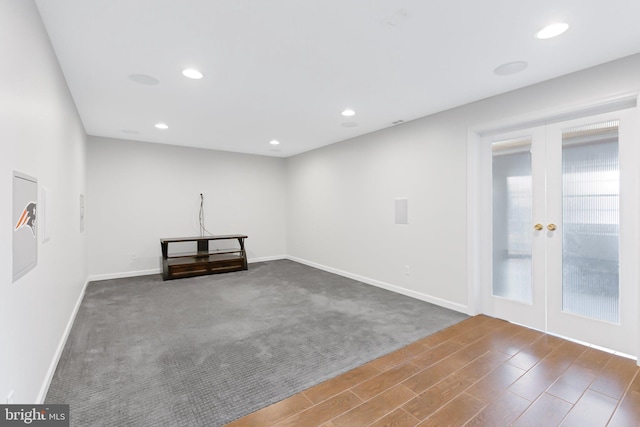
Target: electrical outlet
10, 398
407, 270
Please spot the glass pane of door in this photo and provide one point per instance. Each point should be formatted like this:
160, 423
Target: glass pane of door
512, 216
591, 219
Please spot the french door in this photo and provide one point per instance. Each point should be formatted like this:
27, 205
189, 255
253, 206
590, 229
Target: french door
563, 213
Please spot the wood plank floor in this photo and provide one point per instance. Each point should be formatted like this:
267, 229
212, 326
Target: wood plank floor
480, 372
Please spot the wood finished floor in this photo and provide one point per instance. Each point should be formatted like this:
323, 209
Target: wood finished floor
480, 372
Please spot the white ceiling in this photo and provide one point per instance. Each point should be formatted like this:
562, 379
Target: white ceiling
285, 69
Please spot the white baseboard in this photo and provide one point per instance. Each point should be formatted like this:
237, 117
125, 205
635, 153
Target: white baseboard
266, 258
63, 341
393, 288
124, 274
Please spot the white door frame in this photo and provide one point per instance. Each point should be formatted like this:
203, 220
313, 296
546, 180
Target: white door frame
476, 204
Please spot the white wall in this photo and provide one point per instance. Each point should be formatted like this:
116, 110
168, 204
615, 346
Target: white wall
341, 208
340, 198
41, 136
140, 192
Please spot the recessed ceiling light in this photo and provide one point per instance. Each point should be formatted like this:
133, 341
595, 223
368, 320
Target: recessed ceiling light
274, 142
162, 126
144, 79
552, 30
192, 74
510, 68
348, 112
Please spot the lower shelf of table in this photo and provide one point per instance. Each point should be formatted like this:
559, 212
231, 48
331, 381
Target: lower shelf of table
176, 268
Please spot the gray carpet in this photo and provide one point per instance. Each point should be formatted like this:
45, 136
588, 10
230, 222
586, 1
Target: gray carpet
207, 350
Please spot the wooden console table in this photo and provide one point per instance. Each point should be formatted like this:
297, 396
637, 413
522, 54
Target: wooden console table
202, 260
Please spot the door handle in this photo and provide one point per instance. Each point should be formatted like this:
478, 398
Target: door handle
538, 227
551, 227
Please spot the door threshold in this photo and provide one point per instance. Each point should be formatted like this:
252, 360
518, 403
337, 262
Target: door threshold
584, 343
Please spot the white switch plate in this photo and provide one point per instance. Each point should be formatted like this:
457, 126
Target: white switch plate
10, 398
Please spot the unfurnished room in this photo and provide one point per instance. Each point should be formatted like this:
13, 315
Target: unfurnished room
319, 213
